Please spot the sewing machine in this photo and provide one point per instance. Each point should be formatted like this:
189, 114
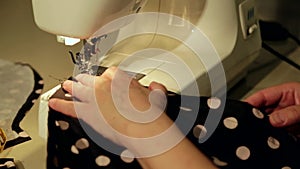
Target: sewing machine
201, 38
193, 47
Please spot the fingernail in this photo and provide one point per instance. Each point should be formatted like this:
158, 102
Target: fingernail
278, 119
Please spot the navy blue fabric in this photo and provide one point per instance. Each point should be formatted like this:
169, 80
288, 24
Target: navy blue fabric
253, 132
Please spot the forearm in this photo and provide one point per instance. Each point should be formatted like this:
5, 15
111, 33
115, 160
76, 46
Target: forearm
167, 147
182, 156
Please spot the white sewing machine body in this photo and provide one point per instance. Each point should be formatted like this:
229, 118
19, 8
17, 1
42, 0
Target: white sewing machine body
231, 26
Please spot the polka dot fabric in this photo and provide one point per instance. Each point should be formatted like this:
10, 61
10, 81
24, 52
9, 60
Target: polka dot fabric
21, 86
7, 163
243, 138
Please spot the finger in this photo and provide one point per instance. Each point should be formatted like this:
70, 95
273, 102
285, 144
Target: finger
79, 91
67, 86
273, 95
266, 97
63, 106
157, 86
257, 99
86, 79
285, 117
109, 73
158, 95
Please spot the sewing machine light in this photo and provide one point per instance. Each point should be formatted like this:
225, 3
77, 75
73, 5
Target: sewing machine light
68, 41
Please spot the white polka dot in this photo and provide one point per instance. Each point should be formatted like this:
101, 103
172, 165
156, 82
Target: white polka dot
218, 162
230, 123
82, 144
63, 125
74, 150
9, 164
186, 109
286, 167
41, 82
258, 113
68, 95
243, 153
199, 131
56, 124
39, 91
127, 156
273, 143
102, 161
171, 94
214, 103
23, 134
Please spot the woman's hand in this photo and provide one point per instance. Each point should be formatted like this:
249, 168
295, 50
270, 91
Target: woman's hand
282, 102
115, 103
122, 110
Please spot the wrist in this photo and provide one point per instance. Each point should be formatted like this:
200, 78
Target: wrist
150, 129
152, 139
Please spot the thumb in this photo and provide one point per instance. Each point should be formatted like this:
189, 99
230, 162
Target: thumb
285, 117
158, 95
157, 86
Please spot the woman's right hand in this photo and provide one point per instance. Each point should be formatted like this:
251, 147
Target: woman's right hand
122, 110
